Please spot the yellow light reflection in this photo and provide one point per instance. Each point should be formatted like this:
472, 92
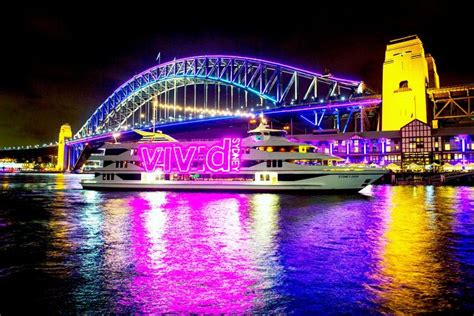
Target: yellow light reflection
60, 181
411, 273
265, 216
59, 223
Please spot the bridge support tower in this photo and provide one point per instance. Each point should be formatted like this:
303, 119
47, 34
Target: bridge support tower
407, 73
64, 134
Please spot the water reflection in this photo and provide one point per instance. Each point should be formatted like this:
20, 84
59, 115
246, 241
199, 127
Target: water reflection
264, 227
60, 229
417, 267
190, 253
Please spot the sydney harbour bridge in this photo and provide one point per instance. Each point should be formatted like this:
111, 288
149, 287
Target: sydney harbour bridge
219, 87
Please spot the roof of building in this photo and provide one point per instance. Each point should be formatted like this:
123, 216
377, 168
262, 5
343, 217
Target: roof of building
404, 39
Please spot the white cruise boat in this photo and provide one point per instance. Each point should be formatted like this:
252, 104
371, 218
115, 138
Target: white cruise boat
266, 160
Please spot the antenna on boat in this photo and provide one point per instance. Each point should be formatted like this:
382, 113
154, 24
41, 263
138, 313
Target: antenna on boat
115, 136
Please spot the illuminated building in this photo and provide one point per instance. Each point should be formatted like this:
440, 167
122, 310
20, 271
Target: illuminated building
10, 165
415, 144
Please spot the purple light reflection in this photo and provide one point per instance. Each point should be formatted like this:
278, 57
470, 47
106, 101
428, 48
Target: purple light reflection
194, 259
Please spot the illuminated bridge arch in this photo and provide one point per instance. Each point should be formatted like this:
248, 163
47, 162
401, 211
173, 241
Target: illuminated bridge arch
211, 86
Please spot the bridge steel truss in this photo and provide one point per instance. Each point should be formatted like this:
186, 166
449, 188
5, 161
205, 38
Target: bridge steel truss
357, 115
198, 87
452, 103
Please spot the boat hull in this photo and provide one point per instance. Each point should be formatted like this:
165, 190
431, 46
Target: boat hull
336, 182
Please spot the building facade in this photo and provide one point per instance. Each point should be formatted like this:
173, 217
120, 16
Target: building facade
415, 147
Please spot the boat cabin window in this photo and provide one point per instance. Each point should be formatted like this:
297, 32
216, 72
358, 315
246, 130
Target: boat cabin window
274, 163
98, 152
121, 164
271, 177
108, 176
278, 134
312, 162
115, 151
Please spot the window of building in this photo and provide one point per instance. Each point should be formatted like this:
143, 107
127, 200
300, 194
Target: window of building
447, 146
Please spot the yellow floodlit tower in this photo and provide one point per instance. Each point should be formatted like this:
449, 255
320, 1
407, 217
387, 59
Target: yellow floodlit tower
64, 133
406, 75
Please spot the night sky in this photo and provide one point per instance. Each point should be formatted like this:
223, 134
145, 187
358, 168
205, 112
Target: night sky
58, 65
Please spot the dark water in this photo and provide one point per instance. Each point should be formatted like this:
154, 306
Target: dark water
392, 249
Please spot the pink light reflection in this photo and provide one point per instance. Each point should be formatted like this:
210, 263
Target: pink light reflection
195, 258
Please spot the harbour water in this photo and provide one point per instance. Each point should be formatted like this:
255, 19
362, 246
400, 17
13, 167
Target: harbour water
391, 249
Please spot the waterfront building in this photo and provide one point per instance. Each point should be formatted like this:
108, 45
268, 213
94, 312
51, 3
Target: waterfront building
415, 147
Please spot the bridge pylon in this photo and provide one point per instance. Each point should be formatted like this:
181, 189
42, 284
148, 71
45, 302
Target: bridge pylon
407, 73
64, 134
